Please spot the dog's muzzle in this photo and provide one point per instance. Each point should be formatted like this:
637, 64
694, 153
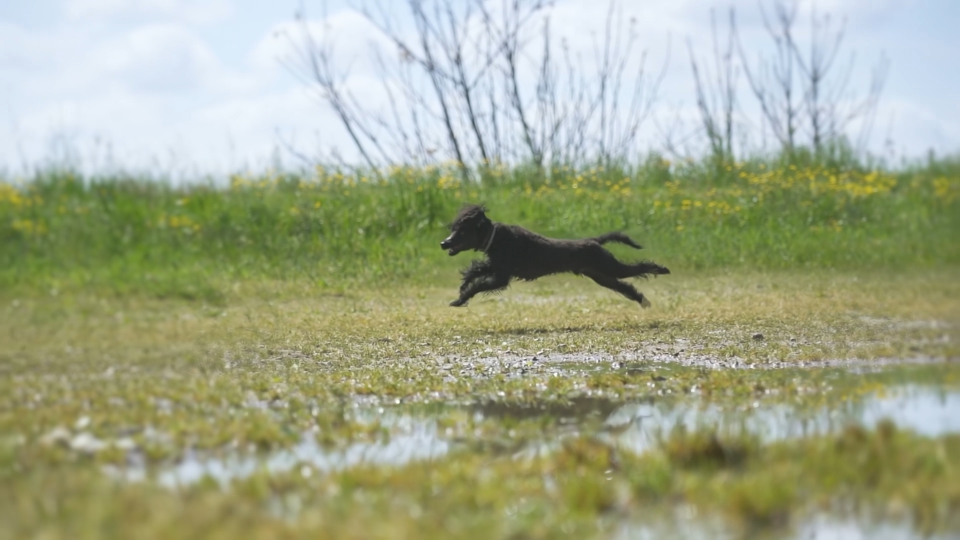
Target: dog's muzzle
448, 245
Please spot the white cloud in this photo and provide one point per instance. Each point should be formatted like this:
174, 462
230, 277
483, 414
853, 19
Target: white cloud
192, 11
153, 59
154, 81
912, 128
855, 8
139, 89
21, 49
156, 93
350, 33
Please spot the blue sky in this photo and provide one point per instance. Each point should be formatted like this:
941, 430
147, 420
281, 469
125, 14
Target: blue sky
187, 86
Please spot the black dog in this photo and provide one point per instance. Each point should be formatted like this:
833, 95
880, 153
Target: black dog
515, 252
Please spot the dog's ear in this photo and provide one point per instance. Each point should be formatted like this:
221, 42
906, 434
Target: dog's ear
461, 212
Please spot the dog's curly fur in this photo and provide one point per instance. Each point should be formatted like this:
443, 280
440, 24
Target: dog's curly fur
514, 252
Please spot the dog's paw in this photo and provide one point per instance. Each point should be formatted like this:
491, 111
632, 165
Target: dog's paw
644, 303
458, 303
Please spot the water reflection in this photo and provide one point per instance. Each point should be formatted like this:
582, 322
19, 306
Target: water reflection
412, 440
926, 411
636, 427
817, 527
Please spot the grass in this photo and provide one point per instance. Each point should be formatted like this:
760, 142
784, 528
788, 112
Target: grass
130, 235
143, 326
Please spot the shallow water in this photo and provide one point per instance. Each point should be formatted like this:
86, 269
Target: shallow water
635, 427
927, 411
412, 439
818, 527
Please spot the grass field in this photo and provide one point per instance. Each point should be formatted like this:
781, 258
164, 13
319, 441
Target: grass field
328, 229
275, 358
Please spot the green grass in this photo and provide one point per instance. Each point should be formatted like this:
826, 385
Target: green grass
58, 230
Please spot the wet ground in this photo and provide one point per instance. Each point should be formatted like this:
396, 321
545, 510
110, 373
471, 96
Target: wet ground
515, 431
358, 419
637, 427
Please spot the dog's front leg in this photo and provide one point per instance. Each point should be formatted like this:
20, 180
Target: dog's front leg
486, 283
476, 270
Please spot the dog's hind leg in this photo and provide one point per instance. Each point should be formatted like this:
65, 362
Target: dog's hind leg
621, 287
605, 263
485, 283
645, 268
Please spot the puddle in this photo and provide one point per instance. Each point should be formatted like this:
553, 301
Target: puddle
819, 527
831, 528
926, 411
410, 440
309, 457
635, 427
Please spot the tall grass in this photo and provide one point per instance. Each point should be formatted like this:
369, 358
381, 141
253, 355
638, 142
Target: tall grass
58, 230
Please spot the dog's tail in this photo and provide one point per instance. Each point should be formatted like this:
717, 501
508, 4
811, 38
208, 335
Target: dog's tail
618, 237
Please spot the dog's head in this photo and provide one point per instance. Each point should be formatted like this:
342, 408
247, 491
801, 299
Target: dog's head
469, 230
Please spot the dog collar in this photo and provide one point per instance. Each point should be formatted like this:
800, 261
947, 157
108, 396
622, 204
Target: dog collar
490, 241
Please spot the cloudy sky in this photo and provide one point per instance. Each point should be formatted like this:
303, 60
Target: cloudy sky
196, 85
